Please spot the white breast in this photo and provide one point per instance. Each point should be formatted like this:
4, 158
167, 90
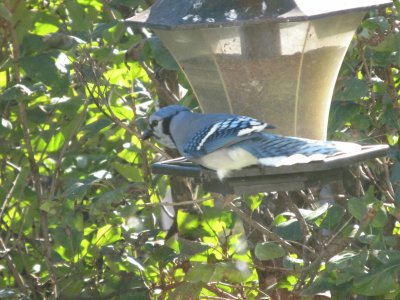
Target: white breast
225, 160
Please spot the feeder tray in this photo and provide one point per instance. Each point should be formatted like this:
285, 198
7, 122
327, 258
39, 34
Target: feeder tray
267, 179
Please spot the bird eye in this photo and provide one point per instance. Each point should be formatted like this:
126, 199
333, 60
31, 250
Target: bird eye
154, 123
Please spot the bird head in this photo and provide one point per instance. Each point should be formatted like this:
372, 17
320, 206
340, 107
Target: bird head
159, 125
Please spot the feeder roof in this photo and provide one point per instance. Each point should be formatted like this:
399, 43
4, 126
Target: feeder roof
185, 14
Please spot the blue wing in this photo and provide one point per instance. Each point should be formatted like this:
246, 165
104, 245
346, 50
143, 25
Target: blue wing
270, 145
223, 134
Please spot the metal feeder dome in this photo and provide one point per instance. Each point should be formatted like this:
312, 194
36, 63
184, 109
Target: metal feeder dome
275, 60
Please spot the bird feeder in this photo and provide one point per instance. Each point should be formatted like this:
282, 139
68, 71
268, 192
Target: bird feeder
275, 60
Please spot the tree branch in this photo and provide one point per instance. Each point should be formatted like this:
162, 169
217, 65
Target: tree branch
31, 155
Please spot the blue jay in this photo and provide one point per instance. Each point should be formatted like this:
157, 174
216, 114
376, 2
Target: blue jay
226, 142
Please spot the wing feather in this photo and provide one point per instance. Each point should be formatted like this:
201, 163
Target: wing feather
223, 133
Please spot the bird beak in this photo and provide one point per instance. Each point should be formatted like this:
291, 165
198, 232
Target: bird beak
147, 134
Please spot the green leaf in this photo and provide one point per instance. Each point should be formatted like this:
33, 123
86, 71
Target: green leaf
310, 215
56, 142
79, 18
99, 28
107, 200
77, 190
5, 12
32, 44
50, 206
289, 230
342, 112
357, 208
231, 271
130, 172
67, 241
379, 281
16, 92
107, 235
333, 217
361, 122
187, 290
268, 251
397, 196
395, 173
322, 284
188, 224
387, 256
43, 68
98, 126
218, 219
161, 54
380, 218
352, 89
162, 255
349, 261
378, 22
253, 201
391, 43
189, 248
200, 273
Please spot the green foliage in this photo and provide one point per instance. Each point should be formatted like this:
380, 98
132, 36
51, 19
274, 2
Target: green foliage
80, 213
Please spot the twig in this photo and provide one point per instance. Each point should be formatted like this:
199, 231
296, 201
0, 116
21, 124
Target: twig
174, 203
169, 96
387, 177
9, 195
389, 193
13, 269
219, 292
269, 234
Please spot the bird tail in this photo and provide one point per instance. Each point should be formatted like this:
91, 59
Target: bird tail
275, 150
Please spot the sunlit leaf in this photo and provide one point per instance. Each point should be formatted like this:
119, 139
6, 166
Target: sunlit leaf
107, 235
129, 171
56, 142
80, 21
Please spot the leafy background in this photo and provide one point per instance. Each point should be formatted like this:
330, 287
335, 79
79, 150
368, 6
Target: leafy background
80, 213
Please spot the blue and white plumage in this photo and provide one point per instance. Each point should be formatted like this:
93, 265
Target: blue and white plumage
226, 142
